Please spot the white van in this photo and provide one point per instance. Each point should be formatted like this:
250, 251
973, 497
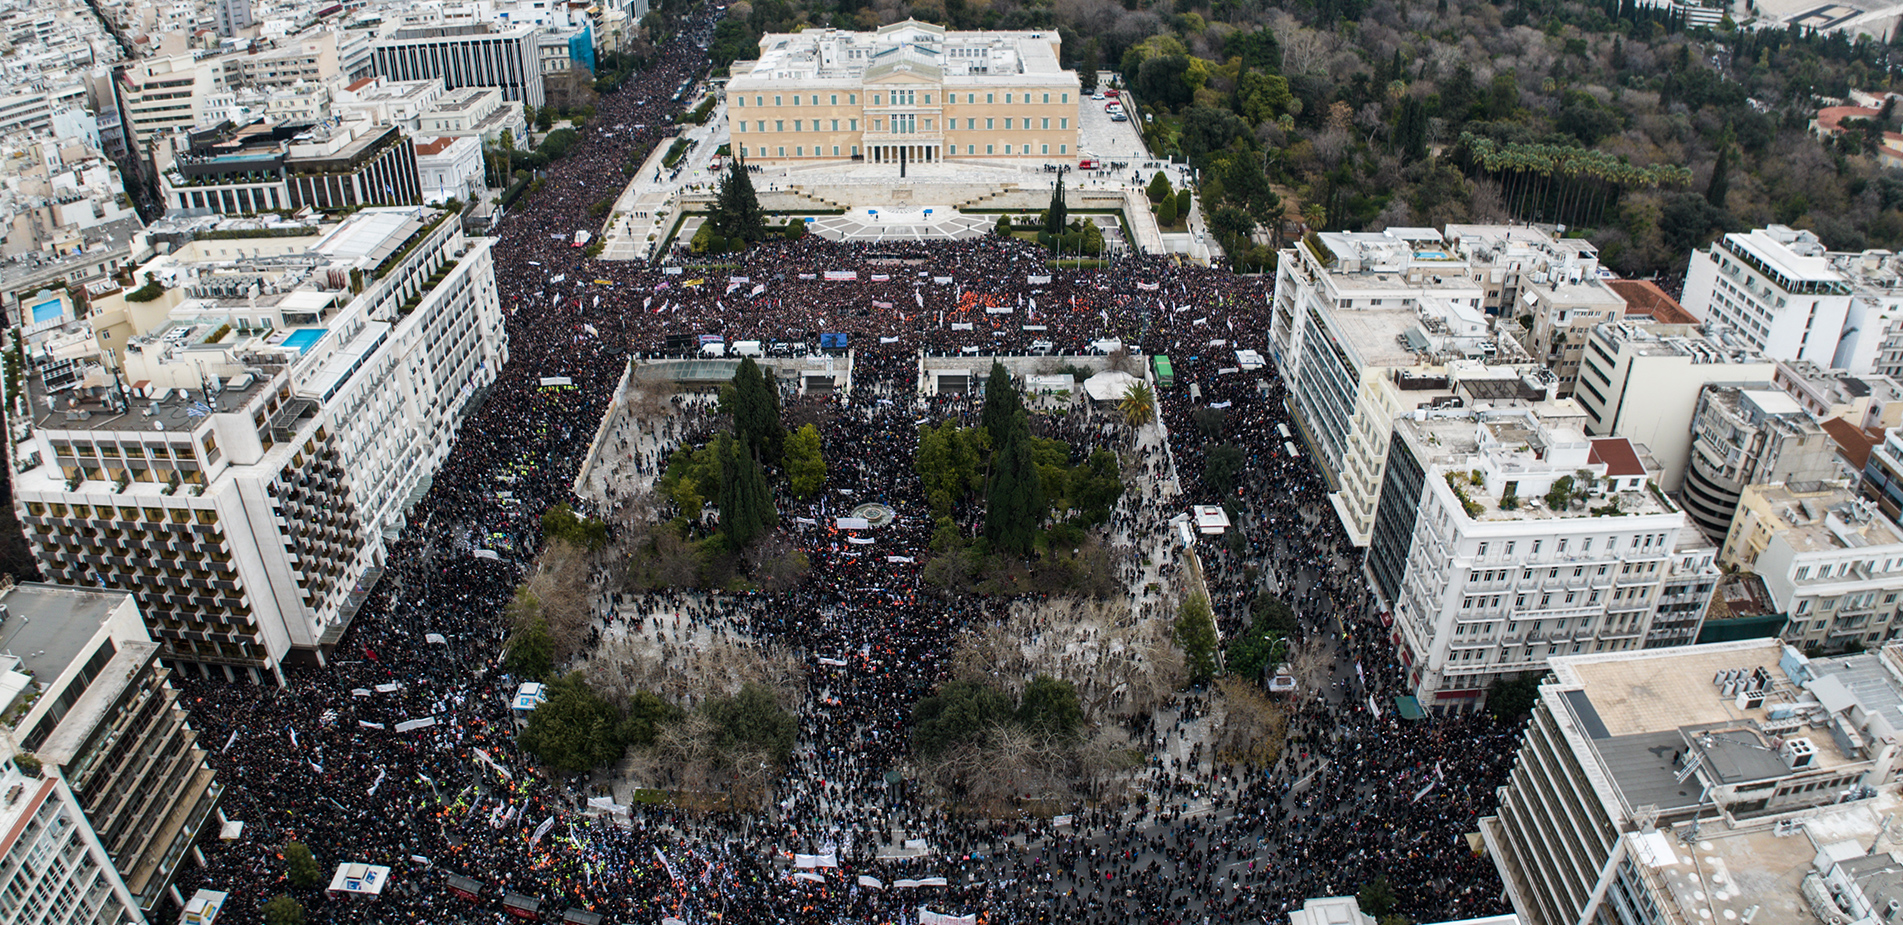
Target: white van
713, 348
1106, 345
748, 348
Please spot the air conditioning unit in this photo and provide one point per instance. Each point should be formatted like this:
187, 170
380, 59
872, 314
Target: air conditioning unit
1750, 699
1798, 753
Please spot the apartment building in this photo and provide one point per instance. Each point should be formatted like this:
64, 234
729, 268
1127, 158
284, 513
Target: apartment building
1503, 539
233, 16
911, 92
1828, 558
1746, 436
1642, 380
476, 55
121, 770
169, 93
1565, 310
1730, 782
236, 453
309, 58
1868, 401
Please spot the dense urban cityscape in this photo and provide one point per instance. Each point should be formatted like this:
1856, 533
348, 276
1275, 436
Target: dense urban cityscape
1347, 463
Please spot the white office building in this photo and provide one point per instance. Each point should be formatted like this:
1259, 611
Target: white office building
240, 452
1792, 300
1503, 539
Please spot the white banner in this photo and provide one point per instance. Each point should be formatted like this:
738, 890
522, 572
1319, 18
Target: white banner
483, 757
841, 276
1037, 280
898, 559
1147, 287
942, 280
871, 882
671, 872
881, 277
410, 724
810, 861
542, 830
435, 639
388, 688
923, 881
928, 917
810, 878
368, 724
860, 541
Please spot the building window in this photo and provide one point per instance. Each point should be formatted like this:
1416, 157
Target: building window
1007, 125
875, 99
835, 150
988, 149
1044, 149
852, 125
990, 124
782, 150
779, 125
835, 101
1007, 149
990, 98
1046, 124
1063, 123
835, 125
796, 124
757, 101
776, 101
799, 151
1063, 149
1047, 97
971, 149
1066, 98
852, 99
1007, 99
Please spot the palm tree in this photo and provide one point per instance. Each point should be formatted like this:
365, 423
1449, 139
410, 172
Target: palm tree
1138, 405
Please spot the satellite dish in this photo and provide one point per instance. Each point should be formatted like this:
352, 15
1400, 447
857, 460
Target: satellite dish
158, 425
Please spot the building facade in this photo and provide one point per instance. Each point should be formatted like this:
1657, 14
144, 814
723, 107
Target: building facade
1746, 436
1641, 381
1828, 558
1735, 781
102, 719
1792, 300
477, 55
909, 92
1494, 550
307, 389
1380, 325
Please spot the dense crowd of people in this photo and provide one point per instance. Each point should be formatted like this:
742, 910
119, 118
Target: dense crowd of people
1359, 792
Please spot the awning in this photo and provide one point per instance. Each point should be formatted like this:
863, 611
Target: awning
1409, 708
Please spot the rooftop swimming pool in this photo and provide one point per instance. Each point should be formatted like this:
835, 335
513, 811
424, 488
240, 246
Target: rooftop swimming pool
303, 338
1430, 255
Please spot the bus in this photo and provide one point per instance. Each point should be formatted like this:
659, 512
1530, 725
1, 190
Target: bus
1165, 376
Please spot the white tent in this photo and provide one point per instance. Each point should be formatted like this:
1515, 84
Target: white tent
1109, 385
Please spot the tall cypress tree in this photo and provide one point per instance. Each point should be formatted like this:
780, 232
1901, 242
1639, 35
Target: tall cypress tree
1002, 404
756, 411
1015, 502
737, 210
1720, 175
1058, 213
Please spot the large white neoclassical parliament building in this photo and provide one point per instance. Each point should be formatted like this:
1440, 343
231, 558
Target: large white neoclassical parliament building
910, 92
